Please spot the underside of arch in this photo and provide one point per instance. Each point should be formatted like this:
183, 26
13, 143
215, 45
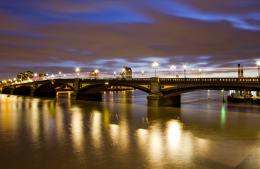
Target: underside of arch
23, 91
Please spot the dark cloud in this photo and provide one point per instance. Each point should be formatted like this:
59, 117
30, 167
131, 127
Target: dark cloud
43, 34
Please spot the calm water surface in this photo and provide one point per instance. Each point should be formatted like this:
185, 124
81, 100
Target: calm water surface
124, 133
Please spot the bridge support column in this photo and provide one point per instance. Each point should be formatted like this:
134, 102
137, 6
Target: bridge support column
12, 91
258, 93
156, 98
33, 89
89, 96
76, 86
159, 100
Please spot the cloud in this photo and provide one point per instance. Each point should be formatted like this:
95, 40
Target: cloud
45, 34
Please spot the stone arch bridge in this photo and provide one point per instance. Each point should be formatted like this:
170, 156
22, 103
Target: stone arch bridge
161, 91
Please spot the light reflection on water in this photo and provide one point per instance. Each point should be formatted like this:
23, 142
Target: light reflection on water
203, 133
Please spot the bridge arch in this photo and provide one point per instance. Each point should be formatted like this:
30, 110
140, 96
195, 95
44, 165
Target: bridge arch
7, 90
23, 91
93, 92
102, 86
174, 91
49, 89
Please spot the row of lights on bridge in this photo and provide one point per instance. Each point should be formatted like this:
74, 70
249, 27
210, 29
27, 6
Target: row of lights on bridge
155, 65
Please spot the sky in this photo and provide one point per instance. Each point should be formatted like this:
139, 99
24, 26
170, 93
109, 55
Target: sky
59, 35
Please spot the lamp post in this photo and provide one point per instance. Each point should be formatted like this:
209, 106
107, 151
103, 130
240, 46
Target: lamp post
173, 68
77, 70
184, 69
35, 76
142, 72
258, 67
155, 65
200, 71
96, 71
114, 74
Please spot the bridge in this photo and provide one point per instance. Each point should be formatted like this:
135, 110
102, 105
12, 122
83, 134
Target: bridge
160, 91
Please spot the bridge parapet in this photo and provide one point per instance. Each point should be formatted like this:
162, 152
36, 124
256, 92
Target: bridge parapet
186, 80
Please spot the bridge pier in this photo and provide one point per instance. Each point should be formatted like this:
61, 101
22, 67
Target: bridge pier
89, 96
7, 90
156, 98
159, 100
76, 86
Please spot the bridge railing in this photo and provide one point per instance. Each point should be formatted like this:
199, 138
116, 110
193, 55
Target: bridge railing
240, 80
146, 80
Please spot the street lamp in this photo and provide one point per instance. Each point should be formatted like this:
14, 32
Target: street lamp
142, 72
200, 71
59, 73
114, 74
184, 68
96, 71
155, 65
173, 68
35, 75
258, 67
77, 70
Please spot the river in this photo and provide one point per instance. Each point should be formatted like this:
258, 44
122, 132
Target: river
121, 132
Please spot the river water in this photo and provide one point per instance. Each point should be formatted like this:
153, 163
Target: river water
123, 133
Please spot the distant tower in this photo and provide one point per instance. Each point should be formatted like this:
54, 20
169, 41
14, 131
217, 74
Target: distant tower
239, 70
242, 72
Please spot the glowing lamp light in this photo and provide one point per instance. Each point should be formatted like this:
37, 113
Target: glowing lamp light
173, 67
96, 71
155, 64
77, 69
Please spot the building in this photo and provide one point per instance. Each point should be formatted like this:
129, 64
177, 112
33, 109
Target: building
126, 72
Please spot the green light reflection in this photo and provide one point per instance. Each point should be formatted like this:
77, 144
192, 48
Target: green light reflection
223, 116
